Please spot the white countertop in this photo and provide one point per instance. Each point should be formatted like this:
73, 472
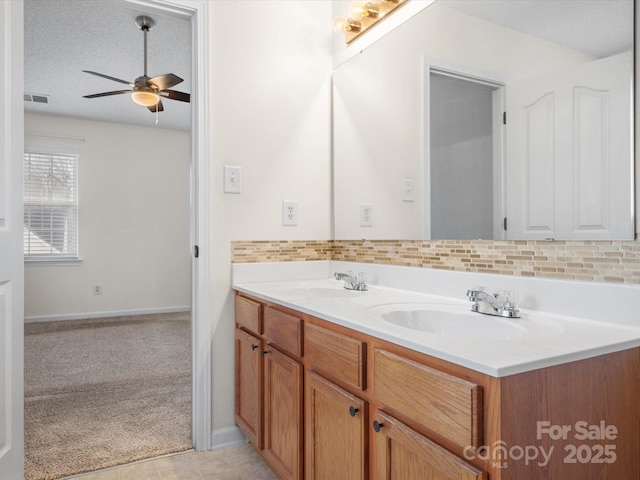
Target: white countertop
543, 339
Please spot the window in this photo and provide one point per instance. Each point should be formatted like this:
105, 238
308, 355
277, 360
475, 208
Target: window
50, 206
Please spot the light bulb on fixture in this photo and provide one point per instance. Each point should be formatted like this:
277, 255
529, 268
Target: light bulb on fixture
145, 98
342, 24
360, 10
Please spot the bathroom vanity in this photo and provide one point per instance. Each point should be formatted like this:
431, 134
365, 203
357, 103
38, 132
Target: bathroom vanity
330, 385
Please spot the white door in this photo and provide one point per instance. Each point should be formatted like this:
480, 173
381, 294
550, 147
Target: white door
11, 259
569, 153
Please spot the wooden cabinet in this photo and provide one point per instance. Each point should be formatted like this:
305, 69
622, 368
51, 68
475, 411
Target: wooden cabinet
283, 414
401, 453
269, 384
249, 382
309, 391
335, 432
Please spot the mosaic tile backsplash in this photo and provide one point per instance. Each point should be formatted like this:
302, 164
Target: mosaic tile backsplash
603, 261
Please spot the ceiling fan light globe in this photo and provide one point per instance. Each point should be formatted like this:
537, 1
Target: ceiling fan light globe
146, 99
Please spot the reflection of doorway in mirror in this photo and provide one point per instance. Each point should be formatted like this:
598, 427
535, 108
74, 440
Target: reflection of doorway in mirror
463, 167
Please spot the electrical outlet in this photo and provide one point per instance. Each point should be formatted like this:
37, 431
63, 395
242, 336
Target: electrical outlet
366, 215
232, 179
289, 213
97, 289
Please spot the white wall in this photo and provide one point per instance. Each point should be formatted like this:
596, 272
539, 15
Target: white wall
133, 221
270, 101
378, 110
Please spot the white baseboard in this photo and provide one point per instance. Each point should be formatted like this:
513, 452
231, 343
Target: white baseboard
227, 437
117, 313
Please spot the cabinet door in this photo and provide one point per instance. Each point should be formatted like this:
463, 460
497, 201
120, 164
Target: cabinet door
283, 414
249, 380
403, 454
335, 432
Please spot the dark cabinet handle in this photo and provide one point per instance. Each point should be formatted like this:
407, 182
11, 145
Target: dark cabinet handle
264, 352
353, 410
253, 346
377, 425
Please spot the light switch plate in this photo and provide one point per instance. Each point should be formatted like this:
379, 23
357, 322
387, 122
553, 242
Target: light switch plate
232, 179
407, 190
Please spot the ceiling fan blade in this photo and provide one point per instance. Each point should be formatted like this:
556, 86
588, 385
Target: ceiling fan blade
156, 108
106, 94
108, 77
165, 81
174, 95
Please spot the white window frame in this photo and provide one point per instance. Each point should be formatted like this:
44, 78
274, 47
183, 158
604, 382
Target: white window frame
54, 259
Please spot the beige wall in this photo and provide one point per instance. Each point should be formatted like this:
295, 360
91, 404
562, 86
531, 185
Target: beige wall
133, 220
270, 101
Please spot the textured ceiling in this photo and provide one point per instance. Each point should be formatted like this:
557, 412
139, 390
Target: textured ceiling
64, 37
597, 27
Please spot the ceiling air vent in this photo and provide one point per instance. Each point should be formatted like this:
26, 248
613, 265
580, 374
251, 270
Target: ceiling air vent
29, 97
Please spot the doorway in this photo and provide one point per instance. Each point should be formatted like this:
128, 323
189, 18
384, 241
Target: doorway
463, 152
201, 424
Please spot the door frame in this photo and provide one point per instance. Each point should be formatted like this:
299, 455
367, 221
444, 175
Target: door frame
11, 258
200, 193
481, 77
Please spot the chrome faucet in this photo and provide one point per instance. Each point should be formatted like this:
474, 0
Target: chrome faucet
353, 281
502, 304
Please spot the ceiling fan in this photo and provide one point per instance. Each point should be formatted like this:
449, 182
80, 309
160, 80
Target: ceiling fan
146, 91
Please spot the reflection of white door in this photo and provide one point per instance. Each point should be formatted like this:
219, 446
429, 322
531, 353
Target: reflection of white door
569, 168
11, 259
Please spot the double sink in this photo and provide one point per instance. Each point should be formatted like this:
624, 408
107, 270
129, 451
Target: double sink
446, 328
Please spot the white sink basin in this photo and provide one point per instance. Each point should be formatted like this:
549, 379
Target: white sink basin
459, 321
456, 324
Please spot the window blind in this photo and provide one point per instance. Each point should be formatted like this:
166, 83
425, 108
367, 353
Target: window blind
50, 205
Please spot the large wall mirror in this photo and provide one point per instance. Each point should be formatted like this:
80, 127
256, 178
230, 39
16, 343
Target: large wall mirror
476, 115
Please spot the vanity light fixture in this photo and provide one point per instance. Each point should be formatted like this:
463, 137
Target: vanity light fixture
364, 15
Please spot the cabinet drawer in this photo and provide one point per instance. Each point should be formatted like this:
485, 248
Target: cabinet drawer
339, 356
447, 405
248, 314
283, 330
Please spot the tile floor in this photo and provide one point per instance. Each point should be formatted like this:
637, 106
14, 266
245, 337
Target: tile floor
233, 463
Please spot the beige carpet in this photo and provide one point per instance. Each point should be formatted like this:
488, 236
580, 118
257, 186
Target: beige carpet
105, 392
